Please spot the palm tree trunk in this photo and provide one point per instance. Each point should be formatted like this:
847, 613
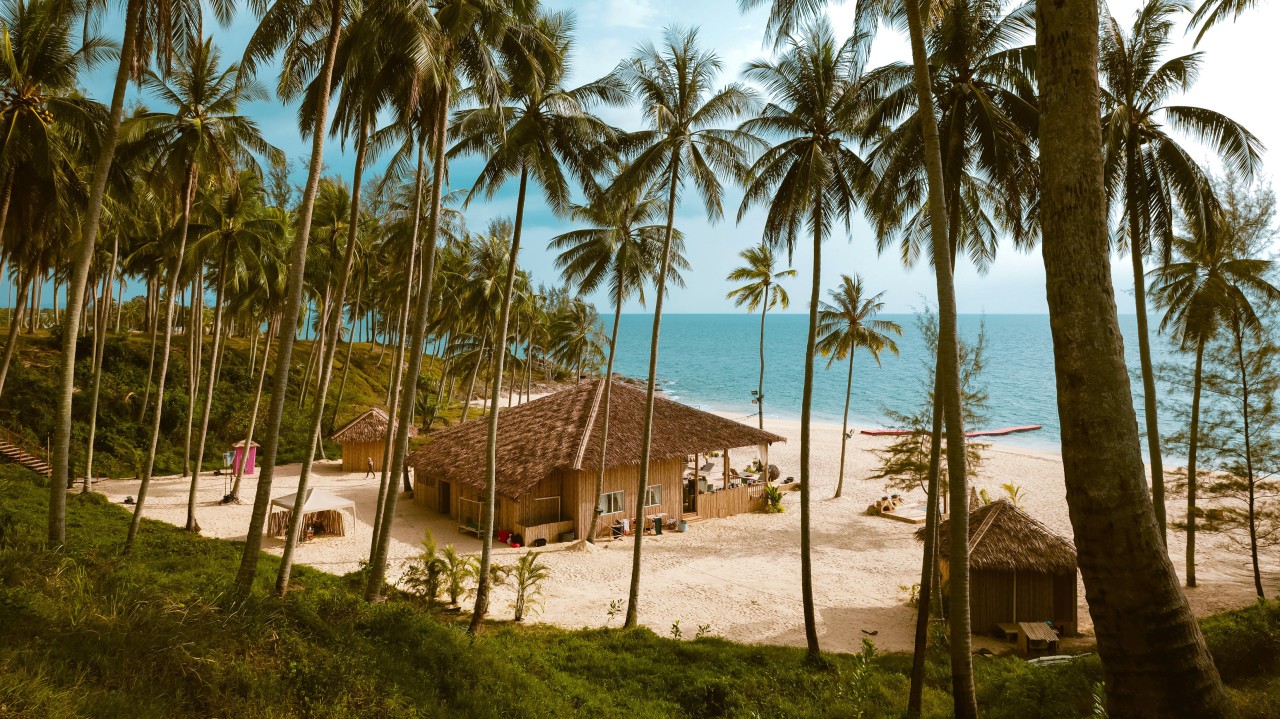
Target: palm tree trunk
15, 328
409, 390
253, 417
813, 653
1193, 445
192, 524
495, 403
1153, 654
764, 310
99, 342
1136, 243
844, 428
608, 392
646, 439
293, 298
475, 372
196, 355
82, 260
1248, 454
330, 350
153, 289
386, 480
964, 694
149, 465
928, 563
346, 363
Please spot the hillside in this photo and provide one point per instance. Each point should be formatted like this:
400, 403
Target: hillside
121, 439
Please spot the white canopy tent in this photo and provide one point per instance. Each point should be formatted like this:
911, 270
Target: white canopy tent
320, 510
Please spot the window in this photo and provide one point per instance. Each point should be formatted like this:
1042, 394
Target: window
653, 495
611, 502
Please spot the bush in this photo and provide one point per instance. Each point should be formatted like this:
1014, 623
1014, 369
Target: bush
1246, 642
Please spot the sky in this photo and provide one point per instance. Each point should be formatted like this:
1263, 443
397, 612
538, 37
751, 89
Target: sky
1235, 79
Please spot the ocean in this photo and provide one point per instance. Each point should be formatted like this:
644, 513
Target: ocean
712, 361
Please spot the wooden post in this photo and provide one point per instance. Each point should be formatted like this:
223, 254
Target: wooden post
725, 454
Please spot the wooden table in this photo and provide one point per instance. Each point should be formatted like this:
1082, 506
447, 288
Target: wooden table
1037, 637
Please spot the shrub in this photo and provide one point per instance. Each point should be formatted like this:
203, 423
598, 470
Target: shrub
1245, 643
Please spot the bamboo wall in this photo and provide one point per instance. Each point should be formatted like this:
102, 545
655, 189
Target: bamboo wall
724, 503
580, 498
576, 490
355, 456
1000, 597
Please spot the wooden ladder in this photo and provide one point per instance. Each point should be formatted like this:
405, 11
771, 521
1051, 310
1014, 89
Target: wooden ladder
12, 449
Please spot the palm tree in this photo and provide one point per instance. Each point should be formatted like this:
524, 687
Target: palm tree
982, 81
673, 84
1212, 12
240, 230
846, 324
297, 25
149, 27
760, 291
1146, 168
1153, 650
44, 122
204, 130
985, 92
541, 129
810, 179
947, 379
467, 36
369, 64
622, 249
1216, 281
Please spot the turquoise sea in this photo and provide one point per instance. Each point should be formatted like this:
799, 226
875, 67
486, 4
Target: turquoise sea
712, 361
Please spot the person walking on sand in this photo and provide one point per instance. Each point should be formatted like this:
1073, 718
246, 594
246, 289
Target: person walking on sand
368, 464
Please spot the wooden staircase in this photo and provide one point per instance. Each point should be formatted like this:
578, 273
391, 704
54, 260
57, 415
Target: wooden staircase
12, 448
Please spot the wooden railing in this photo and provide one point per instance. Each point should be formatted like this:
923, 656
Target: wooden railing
24, 444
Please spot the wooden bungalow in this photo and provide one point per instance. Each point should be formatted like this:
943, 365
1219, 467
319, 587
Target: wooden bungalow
363, 439
549, 460
1019, 570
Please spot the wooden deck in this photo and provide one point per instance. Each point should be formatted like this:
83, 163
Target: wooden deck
909, 513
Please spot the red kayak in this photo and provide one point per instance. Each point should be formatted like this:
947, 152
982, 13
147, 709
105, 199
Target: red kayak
984, 433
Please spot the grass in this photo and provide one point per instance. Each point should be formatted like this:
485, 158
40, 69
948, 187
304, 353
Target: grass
121, 439
89, 633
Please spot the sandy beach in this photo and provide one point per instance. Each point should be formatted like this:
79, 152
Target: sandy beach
738, 577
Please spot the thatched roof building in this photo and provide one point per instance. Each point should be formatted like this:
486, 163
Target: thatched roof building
549, 449
1005, 538
563, 431
1019, 569
362, 439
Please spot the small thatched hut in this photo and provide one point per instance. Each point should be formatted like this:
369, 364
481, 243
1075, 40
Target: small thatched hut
363, 439
1019, 570
549, 460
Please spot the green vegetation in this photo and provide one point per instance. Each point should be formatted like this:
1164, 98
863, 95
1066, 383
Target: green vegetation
89, 633
121, 440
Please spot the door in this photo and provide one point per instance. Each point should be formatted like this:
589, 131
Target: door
446, 498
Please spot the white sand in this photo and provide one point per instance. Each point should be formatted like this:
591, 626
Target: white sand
740, 576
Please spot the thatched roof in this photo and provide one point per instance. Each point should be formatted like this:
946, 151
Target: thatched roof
368, 427
563, 431
1005, 538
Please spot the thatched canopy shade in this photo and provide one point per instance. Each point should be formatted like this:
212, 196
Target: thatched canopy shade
1005, 538
563, 431
368, 427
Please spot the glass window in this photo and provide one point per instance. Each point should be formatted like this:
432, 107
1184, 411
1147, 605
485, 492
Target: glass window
653, 495
611, 502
